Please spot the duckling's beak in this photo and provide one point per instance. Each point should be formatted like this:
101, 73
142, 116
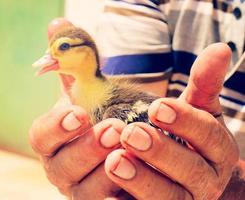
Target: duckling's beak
45, 64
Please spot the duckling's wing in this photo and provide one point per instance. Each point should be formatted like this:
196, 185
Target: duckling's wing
127, 113
136, 113
127, 103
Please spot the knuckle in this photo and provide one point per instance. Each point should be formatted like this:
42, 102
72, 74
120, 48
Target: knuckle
214, 138
204, 183
223, 144
57, 178
197, 175
217, 138
214, 135
211, 191
39, 134
36, 135
234, 153
177, 192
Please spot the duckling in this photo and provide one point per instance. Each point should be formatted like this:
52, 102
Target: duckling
72, 51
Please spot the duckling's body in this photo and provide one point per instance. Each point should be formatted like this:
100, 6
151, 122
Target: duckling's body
91, 95
73, 52
125, 101
111, 98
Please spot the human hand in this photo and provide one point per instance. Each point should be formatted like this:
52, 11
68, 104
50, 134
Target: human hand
71, 151
170, 170
70, 148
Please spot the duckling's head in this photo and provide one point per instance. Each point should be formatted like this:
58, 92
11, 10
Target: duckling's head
71, 51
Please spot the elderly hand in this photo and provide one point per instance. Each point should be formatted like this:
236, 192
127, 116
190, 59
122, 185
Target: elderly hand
153, 166
70, 149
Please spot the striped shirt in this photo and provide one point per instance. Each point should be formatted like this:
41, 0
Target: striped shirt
148, 38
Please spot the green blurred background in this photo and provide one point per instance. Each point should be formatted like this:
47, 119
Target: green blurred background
23, 97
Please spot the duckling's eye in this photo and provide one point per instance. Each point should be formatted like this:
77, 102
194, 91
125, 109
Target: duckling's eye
64, 46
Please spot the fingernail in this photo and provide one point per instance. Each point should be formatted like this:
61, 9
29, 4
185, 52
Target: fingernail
70, 122
110, 138
165, 114
124, 169
137, 138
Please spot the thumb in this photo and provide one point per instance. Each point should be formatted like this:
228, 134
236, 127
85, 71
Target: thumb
66, 83
207, 78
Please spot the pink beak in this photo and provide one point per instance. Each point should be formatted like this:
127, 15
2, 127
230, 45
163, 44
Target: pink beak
45, 64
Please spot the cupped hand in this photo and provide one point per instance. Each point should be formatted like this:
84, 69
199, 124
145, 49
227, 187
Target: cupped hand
71, 150
153, 166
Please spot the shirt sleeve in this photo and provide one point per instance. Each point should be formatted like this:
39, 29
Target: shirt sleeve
134, 39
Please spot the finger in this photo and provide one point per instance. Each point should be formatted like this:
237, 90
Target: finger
78, 158
57, 24
169, 157
99, 182
139, 180
52, 130
207, 78
66, 83
197, 127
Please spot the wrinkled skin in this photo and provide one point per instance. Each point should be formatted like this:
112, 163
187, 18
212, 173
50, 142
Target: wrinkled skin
73, 152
